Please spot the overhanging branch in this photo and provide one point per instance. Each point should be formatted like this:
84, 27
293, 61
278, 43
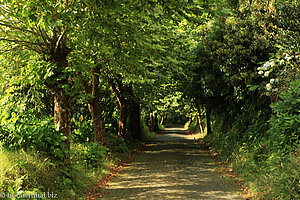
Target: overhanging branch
18, 28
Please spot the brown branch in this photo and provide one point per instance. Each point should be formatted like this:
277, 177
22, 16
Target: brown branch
1, 28
44, 35
43, 38
60, 39
28, 45
3, 50
17, 28
35, 50
21, 42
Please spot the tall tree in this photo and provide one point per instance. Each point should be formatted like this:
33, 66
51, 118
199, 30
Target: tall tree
93, 97
39, 28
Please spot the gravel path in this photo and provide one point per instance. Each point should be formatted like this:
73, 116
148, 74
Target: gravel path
171, 167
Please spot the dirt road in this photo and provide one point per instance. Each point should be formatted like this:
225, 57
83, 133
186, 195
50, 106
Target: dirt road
171, 167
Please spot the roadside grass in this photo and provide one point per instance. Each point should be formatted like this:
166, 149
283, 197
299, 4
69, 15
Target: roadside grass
30, 172
263, 176
273, 178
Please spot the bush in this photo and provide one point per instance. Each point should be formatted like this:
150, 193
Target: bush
265, 152
93, 154
82, 130
285, 123
117, 144
41, 136
146, 133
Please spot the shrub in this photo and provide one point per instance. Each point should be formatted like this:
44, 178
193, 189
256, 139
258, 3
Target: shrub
285, 123
93, 154
117, 144
82, 130
41, 136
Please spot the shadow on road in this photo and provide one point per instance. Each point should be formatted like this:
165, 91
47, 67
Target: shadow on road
171, 167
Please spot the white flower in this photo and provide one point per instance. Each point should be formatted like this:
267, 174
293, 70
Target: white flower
272, 81
276, 90
259, 68
287, 57
267, 73
269, 86
281, 62
272, 64
260, 72
266, 66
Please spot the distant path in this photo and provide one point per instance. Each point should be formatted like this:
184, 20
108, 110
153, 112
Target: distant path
171, 167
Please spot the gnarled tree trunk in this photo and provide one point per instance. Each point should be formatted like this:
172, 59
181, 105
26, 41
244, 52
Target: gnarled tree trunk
62, 112
62, 100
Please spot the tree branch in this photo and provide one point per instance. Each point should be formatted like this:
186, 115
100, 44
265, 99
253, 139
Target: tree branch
44, 35
17, 28
29, 45
21, 42
60, 39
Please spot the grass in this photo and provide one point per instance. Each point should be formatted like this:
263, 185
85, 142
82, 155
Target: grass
31, 172
273, 176
26, 171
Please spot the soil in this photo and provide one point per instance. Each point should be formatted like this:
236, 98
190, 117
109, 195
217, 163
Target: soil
171, 167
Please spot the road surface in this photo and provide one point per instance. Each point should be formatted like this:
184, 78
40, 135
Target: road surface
171, 167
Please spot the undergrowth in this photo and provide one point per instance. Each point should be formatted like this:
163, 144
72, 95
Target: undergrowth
33, 172
262, 148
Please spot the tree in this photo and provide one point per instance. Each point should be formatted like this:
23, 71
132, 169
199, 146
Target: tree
39, 27
93, 96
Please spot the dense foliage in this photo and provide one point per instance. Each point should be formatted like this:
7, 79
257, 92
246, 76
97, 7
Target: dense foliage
246, 69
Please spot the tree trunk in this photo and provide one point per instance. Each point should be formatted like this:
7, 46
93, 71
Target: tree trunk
96, 111
151, 122
120, 91
208, 121
98, 124
94, 105
155, 123
123, 118
135, 118
62, 112
199, 118
163, 118
62, 100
